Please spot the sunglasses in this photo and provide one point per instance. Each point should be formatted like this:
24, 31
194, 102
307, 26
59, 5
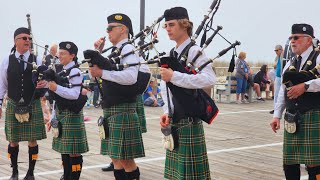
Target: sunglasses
277, 50
25, 38
109, 28
296, 37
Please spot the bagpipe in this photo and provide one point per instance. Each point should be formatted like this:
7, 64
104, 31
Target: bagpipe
188, 102
95, 58
111, 62
22, 109
143, 33
198, 104
48, 73
184, 55
37, 71
31, 34
207, 109
154, 60
62, 79
45, 54
34, 62
292, 77
42, 72
199, 53
53, 63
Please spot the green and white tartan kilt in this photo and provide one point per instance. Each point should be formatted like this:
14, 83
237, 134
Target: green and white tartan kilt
189, 160
125, 138
141, 114
303, 147
73, 139
26, 131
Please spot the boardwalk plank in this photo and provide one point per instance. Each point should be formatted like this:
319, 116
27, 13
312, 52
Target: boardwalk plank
237, 126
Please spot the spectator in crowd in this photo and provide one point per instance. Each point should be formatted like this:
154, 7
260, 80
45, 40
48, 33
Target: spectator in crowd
255, 87
45, 110
52, 56
249, 81
152, 95
272, 77
52, 59
242, 74
261, 79
94, 87
279, 63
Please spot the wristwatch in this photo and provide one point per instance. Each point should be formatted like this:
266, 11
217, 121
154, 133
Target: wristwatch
306, 86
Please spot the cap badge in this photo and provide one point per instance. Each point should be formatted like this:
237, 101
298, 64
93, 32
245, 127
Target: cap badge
304, 29
68, 46
118, 17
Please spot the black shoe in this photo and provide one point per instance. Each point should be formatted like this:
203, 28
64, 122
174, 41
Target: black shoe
246, 96
28, 177
271, 112
14, 177
109, 167
260, 99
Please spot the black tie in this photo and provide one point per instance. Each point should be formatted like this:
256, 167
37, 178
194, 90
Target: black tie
113, 49
298, 63
21, 63
175, 54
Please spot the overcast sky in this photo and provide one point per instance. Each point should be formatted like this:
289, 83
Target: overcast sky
258, 24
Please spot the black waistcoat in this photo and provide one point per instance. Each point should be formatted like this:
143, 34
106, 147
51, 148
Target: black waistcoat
110, 95
308, 100
184, 100
20, 83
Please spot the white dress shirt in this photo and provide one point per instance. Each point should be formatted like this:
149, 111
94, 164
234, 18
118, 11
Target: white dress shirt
203, 79
74, 92
314, 85
4, 68
127, 76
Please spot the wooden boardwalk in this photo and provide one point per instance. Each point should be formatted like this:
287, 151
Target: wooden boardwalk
240, 143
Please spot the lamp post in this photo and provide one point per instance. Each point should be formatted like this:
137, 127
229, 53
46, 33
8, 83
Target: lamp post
142, 18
